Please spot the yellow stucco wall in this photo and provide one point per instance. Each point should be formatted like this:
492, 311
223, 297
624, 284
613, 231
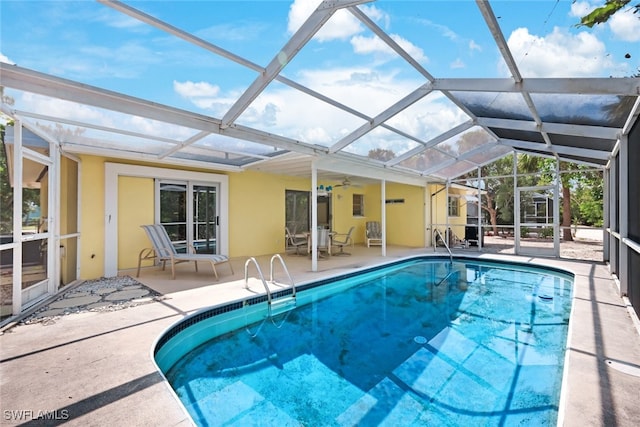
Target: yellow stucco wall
405, 221
68, 218
92, 213
343, 219
256, 213
135, 208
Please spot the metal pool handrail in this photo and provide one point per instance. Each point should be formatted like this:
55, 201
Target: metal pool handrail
246, 277
279, 305
286, 270
445, 245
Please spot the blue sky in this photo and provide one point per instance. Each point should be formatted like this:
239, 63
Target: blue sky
97, 45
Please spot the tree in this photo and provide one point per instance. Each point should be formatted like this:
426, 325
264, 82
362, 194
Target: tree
381, 154
497, 196
602, 14
6, 192
30, 196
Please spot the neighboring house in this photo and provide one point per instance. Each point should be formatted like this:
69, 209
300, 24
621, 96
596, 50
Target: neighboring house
537, 209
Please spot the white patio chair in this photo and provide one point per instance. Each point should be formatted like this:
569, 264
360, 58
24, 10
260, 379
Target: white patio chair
295, 242
373, 233
340, 240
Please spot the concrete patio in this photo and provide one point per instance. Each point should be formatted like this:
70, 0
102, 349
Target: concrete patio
96, 368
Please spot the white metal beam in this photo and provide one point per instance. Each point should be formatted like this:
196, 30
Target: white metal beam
390, 42
557, 128
494, 28
629, 86
23, 79
87, 125
396, 108
16, 77
433, 142
308, 29
560, 149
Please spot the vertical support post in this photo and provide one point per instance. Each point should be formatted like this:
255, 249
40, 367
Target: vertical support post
17, 218
314, 216
480, 230
516, 205
383, 215
556, 212
447, 237
613, 214
54, 261
623, 274
605, 209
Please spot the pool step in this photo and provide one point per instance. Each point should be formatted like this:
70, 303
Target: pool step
282, 305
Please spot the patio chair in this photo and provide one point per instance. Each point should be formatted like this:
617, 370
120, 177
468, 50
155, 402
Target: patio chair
324, 240
373, 233
164, 251
341, 240
295, 242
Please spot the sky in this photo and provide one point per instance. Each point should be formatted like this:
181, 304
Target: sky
94, 44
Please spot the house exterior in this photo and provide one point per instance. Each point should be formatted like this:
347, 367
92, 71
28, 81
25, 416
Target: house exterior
92, 214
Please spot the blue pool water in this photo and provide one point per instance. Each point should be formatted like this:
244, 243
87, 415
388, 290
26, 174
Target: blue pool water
397, 346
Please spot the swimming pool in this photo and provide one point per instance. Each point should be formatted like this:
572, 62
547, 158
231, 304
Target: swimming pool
422, 342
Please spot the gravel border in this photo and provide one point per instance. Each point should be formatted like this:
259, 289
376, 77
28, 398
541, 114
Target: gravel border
98, 295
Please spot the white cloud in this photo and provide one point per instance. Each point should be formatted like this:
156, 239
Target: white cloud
625, 25
190, 89
582, 8
458, 63
474, 46
204, 95
373, 45
6, 60
341, 25
443, 30
367, 45
120, 21
561, 54
381, 18
410, 48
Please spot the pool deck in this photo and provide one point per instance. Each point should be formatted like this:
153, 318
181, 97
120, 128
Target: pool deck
95, 368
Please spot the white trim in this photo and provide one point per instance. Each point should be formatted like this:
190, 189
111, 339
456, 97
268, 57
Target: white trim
17, 218
383, 215
520, 250
623, 194
114, 170
631, 244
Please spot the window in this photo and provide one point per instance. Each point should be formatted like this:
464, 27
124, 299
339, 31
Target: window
454, 206
358, 205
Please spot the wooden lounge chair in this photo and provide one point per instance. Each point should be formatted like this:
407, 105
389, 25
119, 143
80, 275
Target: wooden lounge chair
164, 251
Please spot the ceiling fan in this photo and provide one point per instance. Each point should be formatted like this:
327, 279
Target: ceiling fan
346, 183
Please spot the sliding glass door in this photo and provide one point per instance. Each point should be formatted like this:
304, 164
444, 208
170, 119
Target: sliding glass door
205, 218
190, 214
298, 211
